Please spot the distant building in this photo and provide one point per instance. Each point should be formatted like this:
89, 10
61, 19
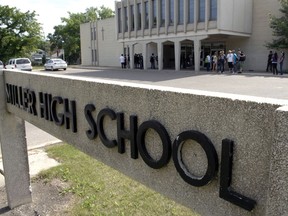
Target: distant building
36, 58
99, 46
180, 32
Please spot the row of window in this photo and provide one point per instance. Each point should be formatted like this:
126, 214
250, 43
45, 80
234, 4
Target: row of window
162, 15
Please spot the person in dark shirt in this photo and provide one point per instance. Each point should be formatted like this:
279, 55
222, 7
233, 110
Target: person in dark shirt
269, 62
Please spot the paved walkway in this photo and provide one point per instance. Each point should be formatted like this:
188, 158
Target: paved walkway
250, 83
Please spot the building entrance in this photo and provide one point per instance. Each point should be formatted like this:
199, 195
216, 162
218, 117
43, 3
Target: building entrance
187, 56
210, 49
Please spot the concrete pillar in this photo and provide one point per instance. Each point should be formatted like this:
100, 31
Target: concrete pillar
142, 18
132, 66
145, 62
14, 154
197, 49
207, 13
158, 23
123, 19
160, 55
196, 14
176, 12
135, 18
150, 17
177, 49
129, 19
185, 19
166, 16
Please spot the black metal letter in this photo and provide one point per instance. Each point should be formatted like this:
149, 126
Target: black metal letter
100, 127
211, 154
57, 118
130, 135
166, 144
225, 179
70, 115
92, 132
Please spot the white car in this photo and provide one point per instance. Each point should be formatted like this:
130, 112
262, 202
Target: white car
55, 64
19, 64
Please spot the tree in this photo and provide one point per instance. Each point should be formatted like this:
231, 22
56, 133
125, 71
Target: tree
20, 33
280, 28
67, 35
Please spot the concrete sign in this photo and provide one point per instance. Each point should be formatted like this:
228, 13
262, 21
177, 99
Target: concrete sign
216, 153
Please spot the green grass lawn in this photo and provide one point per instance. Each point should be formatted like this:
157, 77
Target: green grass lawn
101, 190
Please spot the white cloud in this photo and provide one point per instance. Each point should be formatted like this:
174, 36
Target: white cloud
50, 11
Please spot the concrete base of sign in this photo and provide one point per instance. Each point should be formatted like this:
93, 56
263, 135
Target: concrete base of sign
15, 157
181, 143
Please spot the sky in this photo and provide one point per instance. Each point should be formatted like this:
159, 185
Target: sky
50, 11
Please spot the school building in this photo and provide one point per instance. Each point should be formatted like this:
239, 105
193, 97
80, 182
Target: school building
181, 32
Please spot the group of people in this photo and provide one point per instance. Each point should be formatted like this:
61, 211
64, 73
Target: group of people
273, 60
216, 61
124, 61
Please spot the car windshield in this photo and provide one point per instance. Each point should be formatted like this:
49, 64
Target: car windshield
1, 63
22, 61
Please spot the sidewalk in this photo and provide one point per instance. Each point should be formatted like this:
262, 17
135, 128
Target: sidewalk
38, 159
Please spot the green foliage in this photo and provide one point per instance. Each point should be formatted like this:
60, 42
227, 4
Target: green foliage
67, 35
101, 190
280, 28
20, 33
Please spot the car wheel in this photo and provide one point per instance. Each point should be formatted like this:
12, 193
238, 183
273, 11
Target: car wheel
64, 68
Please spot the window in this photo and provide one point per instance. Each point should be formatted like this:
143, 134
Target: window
126, 19
94, 55
154, 12
119, 21
139, 16
162, 12
171, 12
146, 15
213, 10
132, 24
94, 33
92, 51
180, 12
202, 11
191, 11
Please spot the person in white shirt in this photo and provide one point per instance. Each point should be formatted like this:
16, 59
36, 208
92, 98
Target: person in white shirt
122, 61
230, 60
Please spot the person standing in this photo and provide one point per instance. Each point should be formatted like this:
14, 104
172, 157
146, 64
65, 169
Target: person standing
274, 63
222, 59
230, 60
122, 61
235, 61
208, 62
269, 62
242, 58
152, 61
281, 61
215, 61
